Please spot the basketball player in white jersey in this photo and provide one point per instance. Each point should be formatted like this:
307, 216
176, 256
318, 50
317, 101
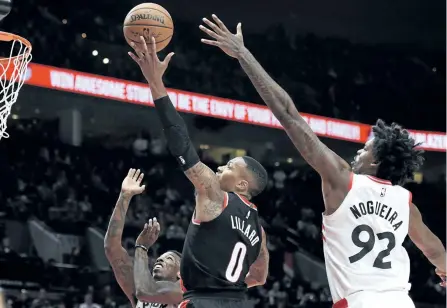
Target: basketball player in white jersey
368, 214
167, 266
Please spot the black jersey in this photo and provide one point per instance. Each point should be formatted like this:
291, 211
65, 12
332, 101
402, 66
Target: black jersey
217, 255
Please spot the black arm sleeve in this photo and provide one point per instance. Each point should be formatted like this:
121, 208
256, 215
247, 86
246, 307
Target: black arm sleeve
176, 133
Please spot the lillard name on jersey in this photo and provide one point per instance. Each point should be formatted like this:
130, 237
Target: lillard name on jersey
217, 255
363, 239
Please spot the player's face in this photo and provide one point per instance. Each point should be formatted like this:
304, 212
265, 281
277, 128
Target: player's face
363, 162
230, 174
166, 267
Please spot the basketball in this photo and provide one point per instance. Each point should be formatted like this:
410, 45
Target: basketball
147, 20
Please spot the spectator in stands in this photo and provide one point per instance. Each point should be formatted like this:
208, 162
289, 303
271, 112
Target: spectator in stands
23, 301
140, 145
277, 297
88, 302
41, 301
5, 247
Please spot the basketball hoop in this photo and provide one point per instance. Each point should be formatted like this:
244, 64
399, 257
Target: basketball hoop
12, 74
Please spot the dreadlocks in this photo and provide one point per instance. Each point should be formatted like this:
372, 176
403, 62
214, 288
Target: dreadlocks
395, 152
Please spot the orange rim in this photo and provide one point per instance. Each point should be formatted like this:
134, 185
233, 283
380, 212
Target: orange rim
8, 37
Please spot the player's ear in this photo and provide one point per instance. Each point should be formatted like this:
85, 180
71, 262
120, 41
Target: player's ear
178, 275
375, 165
242, 185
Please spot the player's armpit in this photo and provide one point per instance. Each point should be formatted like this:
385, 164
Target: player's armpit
210, 198
257, 276
331, 167
425, 240
122, 267
164, 292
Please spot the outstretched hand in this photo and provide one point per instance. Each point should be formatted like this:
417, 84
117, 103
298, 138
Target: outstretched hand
151, 66
150, 233
231, 44
131, 185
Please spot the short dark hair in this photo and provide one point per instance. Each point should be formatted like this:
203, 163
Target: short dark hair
178, 254
396, 153
259, 174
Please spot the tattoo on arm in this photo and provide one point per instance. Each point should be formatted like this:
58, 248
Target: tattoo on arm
122, 267
118, 257
144, 282
316, 153
259, 269
150, 290
117, 221
209, 195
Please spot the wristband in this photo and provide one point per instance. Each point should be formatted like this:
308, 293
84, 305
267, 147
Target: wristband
142, 247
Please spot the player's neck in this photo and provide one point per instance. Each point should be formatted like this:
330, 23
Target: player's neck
245, 195
157, 279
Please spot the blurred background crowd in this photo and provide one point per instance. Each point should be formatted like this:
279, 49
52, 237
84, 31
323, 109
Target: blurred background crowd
72, 188
50, 190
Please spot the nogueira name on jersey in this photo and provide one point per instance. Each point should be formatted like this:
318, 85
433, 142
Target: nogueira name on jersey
250, 232
382, 210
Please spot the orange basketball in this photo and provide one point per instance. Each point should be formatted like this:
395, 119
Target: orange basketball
147, 20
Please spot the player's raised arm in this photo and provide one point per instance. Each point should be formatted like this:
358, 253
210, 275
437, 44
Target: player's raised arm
430, 245
118, 257
259, 270
210, 196
147, 289
330, 166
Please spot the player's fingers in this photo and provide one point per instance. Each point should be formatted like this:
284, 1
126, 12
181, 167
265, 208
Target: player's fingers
212, 25
145, 49
136, 175
137, 50
168, 58
149, 223
140, 177
134, 57
239, 29
210, 42
145, 227
154, 225
142, 188
154, 49
130, 170
220, 23
209, 32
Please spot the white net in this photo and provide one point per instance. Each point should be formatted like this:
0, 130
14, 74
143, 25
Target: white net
12, 76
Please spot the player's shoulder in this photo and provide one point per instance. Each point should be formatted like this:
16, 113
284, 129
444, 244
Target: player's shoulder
235, 198
364, 179
384, 186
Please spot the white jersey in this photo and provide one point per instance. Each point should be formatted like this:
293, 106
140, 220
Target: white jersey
363, 238
153, 305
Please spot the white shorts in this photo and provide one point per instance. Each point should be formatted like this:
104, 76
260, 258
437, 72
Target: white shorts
371, 299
